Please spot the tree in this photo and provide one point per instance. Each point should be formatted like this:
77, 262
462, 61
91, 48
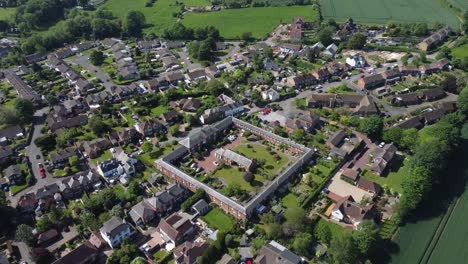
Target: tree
323, 232
229, 240
134, 188
357, 41
298, 134
214, 87
133, 24
249, 177
73, 161
366, 236
325, 36
83, 3
303, 244
174, 129
98, 126
295, 217
147, 146
372, 126
46, 142
246, 36
24, 233
24, 110
51, 100
462, 101
96, 57
343, 249
139, 260
394, 134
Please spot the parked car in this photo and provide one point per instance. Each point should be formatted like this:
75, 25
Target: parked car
42, 172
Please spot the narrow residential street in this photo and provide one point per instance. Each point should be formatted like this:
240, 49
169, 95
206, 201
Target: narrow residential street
83, 61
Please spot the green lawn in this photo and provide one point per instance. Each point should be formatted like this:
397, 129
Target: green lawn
14, 189
105, 156
335, 229
259, 151
290, 201
382, 11
159, 110
393, 179
216, 218
460, 52
232, 175
149, 158
7, 13
260, 21
196, 2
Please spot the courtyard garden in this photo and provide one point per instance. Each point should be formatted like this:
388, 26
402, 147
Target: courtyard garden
216, 218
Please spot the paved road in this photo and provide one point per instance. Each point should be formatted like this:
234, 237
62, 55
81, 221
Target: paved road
191, 66
24, 251
235, 49
83, 61
32, 150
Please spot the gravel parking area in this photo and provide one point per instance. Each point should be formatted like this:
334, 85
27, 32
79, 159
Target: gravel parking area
342, 188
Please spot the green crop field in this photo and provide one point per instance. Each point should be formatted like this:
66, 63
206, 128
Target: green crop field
460, 52
381, 11
259, 20
6, 13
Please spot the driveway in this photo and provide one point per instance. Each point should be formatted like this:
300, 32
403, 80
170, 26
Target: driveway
191, 66
24, 251
32, 150
235, 49
337, 186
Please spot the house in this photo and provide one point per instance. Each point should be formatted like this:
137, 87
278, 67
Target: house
406, 99
204, 136
22, 88
11, 132
142, 213
115, 230
169, 62
362, 105
47, 237
14, 174
110, 169
435, 39
201, 207
174, 78
148, 45
83, 254
253, 81
409, 70
197, 75
348, 211
295, 32
175, 228
371, 81
336, 138
322, 75
330, 50
368, 186
232, 158
95, 148
5, 153
27, 203
35, 57
162, 202
412, 122
60, 158
150, 128
275, 253
307, 121
188, 252
381, 158
73, 187
57, 119
188, 104
226, 259
127, 135
121, 93
433, 116
171, 117
433, 94
270, 95
216, 113
212, 72
350, 174
302, 81
177, 191
391, 75
356, 61
82, 85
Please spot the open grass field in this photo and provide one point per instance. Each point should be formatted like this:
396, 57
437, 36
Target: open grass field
232, 175
260, 20
381, 11
6, 13
216, 218
231, 23
460, 52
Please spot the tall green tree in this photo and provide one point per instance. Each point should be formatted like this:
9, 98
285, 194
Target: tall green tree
24, 233
96, 57
343, 249
133, 24
24, 110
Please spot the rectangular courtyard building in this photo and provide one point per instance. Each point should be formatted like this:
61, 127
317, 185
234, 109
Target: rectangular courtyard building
240, 210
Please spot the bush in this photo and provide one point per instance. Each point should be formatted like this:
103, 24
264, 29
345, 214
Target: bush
199, 194
249, 177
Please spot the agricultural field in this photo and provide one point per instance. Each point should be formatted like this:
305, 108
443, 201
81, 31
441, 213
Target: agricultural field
6, 13
260, 21
382, 11
460, 52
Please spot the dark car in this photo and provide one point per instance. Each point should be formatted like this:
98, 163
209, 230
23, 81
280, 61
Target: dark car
38, 156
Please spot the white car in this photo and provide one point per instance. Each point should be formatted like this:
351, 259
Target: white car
215, 163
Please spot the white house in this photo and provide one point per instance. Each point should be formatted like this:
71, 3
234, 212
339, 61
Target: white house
270, 95
115, 230
356, 61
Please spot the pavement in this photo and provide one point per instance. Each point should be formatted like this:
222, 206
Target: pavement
191, 66
83, 61
234, 49
24, 251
